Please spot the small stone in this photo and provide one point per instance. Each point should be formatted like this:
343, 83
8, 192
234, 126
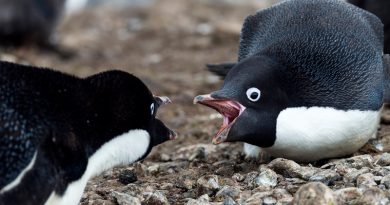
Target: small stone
327, 177
360, 161
228, 201
255, 199
365, 181
165, 157
127, 177
269, 201
238, 177
285, 167
347, 195
378, 179
101, 202
226, 171
314, 193
208, 185
155, 198
281, 194
352, 174
154, 169
386, 181
202, 200
267, 177
199, 154
125, 199
227, 192
384, 159
250, 177
372, 195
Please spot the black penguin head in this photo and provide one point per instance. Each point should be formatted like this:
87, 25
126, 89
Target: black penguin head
122, 103
250, 101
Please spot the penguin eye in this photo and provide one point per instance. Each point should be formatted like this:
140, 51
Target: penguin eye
152, 108
253, 94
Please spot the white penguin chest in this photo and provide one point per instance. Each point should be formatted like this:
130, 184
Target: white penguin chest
308, 134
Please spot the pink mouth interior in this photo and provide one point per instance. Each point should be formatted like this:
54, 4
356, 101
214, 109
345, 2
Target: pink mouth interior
230, 110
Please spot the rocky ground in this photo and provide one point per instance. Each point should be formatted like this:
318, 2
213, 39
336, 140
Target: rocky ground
167, 44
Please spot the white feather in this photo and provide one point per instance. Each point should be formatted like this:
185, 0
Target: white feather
121, 150
17, 180
251, 151
309, 134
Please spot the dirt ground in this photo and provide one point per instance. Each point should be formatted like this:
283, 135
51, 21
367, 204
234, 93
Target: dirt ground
167, 45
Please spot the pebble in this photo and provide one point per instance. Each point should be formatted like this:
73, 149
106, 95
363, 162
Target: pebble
372, 195
127, 177
154, 169
386, 181
365, 181
314, 193
227, 192
267, 177
347, 194
202, 200
353, 173
269, 200
155, 198
326, 176
125, 199
208, 185
238, 177
383, 159
285, 167
229, 201
198, 154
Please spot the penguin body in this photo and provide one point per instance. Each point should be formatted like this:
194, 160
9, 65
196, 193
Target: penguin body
381, 9
26, 21
58, 130
309, 83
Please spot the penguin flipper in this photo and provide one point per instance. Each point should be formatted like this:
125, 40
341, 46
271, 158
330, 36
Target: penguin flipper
221, 69
386, 67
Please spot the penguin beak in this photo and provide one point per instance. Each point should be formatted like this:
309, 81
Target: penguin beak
162, 100
229, 109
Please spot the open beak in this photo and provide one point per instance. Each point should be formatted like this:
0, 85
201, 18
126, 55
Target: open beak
229, 109
163, 100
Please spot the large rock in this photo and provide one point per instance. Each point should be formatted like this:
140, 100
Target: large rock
314, 193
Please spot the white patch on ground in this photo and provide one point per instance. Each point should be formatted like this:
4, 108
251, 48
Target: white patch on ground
122, 150
19, 178
309, 134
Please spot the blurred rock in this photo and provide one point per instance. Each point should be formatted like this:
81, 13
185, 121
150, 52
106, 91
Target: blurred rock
229, 201
202, 200
269, 201
154, 169
125, 199
267, 177
199, 154
238, 177
285, 167
326, 177
383, 159
347, 195
353, 174
314, 193
127, 176
227, 192
386, 181
155, 198
365, 181
373, 196
208, 185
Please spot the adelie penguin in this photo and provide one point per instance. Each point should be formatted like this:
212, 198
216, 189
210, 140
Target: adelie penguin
380, 8
58, 130
309, 84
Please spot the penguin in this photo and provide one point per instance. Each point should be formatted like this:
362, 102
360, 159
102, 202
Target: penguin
381, 9
59, 130
29, 21
309, 83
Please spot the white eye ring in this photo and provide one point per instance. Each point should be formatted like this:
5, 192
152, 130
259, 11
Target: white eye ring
152, 108
253, 94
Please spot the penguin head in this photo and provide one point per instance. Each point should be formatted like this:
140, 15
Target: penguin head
121, 103
249, 101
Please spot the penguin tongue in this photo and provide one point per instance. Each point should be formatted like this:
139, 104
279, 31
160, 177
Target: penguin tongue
229, 109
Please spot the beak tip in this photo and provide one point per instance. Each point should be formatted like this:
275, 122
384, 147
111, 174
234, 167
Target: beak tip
172, 135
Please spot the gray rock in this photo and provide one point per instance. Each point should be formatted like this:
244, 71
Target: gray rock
155, 198
365, 181
202, 200
386, 181
280, 194
198, 154
127, 176
314, 193
250, 177
227, 192
208, 185
373, 196
347, 195
154, 169
238, 177
125, 199
285, 167
383, 159
229, 201
326, 176
269, 200
255, 199
267, 177
353, 173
